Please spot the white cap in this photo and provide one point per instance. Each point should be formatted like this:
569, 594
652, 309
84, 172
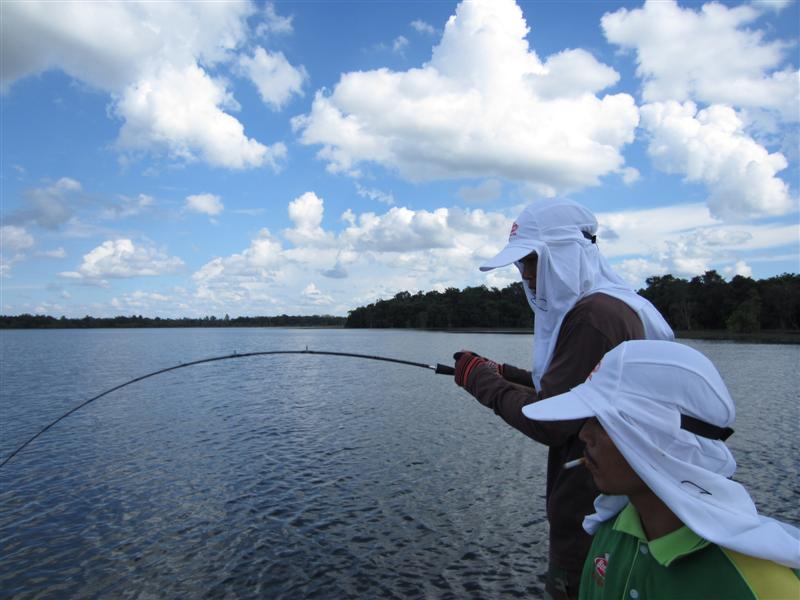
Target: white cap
667, 410
542, 222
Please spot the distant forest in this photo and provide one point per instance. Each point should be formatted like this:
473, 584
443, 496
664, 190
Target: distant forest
45, 322
706, 302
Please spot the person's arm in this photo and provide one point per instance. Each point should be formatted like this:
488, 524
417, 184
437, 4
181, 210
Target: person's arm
579, 348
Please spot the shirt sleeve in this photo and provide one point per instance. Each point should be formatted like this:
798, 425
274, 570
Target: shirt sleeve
579, 348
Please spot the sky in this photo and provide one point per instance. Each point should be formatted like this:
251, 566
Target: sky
206, 158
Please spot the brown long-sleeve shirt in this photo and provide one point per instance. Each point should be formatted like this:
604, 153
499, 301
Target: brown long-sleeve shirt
595, 325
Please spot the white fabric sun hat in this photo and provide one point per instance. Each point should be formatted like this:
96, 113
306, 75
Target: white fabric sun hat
570, 267
540, 223
667, 410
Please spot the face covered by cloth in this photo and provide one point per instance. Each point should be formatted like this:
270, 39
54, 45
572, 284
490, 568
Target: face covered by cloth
649, 396
570, 267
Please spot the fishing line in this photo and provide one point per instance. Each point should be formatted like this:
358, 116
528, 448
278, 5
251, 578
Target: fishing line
437, 368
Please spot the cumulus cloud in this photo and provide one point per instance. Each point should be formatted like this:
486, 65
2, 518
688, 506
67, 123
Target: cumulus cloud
14, 238
48, 207
378, 254
740, 268
208, 204
728, 60
306, 213
178, 111
484, 106
153, 58
685, 240
243, 278
411, 249
709, 146
276, 79
123, 259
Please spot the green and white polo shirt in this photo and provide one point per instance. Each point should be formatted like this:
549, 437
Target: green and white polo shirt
623, 565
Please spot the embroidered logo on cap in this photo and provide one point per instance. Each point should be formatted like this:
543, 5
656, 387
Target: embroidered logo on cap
595, 370
513, 233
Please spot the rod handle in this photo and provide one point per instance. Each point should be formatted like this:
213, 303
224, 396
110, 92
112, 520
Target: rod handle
444, 369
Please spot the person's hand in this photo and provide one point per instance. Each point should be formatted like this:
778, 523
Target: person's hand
466, 362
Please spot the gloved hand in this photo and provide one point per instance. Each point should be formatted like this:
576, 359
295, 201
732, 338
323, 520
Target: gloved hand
466, 362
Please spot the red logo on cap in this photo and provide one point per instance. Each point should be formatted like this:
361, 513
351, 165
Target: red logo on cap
514, 228
595, 370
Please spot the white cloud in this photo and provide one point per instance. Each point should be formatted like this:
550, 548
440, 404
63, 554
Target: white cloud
709, 146
306, 213
374, 194
245, 279
276, 79
179, 112
112, 44
14, 238
630, 175
315, 296
378, 254
574, 73
48, 207
13, 241
399, 44
273, 23
145, 302
740, 268
727, 61
685, 240
483, 106
209, 204
153, 58
484, 192
128, 207
123, 259
421, 26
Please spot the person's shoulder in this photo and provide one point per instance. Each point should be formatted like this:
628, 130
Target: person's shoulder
767, 579
602, 309
601, 302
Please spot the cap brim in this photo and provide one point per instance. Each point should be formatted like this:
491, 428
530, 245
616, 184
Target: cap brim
570, 405
511, 253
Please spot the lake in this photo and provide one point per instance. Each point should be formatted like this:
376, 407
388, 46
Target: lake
301, 476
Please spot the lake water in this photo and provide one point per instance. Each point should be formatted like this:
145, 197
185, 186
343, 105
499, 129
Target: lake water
301, 476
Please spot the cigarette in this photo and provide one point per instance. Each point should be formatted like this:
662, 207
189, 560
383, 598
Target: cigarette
574, 463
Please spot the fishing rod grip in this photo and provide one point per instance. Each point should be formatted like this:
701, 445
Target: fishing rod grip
444, 369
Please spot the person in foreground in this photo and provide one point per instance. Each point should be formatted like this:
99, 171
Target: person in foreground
669, 523
582, 309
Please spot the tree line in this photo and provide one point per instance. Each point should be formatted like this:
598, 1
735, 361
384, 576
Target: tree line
705, 302
27, 321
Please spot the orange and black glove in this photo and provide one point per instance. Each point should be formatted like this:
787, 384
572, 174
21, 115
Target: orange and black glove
466, 362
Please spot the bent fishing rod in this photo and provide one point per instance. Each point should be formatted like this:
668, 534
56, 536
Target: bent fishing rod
437, 368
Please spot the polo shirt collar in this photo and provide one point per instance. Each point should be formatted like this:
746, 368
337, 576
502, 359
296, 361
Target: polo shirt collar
666, 549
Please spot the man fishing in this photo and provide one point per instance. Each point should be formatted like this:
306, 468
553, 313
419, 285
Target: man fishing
669, 523
581, 310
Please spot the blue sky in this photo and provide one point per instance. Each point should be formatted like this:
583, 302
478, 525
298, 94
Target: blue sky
187, 159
